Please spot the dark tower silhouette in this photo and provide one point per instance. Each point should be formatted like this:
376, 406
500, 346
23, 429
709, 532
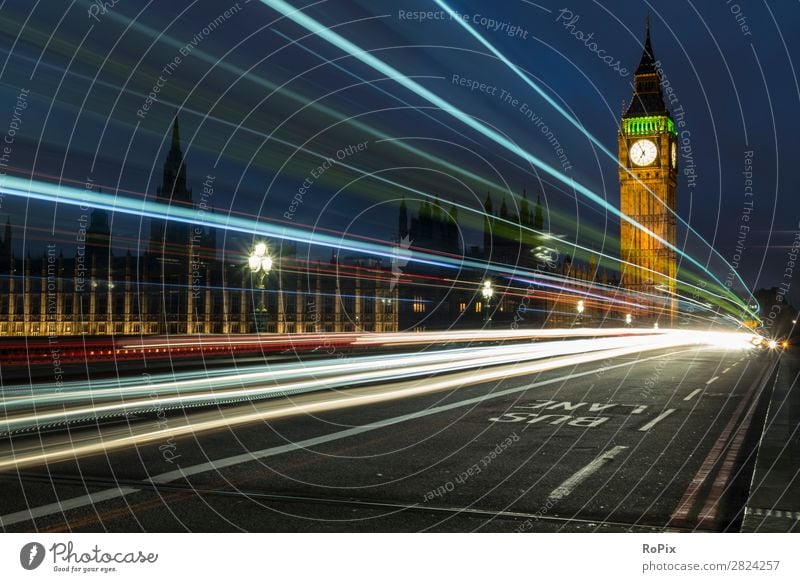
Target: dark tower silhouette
98, 239
172, 237
433, 228
402, 230
488, 226
524, 210
538, 215
172, 245
5, 249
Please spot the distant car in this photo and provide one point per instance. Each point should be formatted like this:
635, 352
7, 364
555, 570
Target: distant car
769, 344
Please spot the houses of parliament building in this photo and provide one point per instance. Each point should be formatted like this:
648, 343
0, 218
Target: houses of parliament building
168, 290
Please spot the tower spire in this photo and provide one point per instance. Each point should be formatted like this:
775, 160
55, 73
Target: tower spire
647, 64
647, 97
403, 219
175, 190
176, 134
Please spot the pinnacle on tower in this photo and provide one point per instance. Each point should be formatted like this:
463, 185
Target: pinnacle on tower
176, 134
647, 64
403, 219
647, 98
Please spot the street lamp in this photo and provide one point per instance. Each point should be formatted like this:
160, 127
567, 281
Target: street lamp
487, 291
628, 319
260, 264
580, 307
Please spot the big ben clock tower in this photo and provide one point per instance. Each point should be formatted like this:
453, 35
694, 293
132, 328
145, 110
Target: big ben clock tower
647, 181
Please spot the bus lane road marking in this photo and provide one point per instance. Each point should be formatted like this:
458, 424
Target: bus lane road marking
552, 412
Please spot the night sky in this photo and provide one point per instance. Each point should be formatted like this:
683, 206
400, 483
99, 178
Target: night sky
261, 102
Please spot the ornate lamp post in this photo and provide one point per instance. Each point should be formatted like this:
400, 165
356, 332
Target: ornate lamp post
260, 264
487, 291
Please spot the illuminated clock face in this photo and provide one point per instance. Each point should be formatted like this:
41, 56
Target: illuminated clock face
643, 152
674, 155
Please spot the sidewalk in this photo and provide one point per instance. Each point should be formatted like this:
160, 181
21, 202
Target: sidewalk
774, 501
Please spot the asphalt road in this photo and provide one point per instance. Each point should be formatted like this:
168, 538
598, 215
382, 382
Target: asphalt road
658, 441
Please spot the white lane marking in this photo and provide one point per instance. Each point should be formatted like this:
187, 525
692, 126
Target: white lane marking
725, 371
568, 486
693, 394
657, 419
68, 504
84, 500
712, 379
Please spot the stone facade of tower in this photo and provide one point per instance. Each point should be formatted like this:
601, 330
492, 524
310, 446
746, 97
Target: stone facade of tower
648, 181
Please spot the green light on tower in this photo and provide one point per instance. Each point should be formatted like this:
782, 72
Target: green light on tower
648, 125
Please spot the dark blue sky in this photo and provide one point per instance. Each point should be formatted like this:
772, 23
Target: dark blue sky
88, 77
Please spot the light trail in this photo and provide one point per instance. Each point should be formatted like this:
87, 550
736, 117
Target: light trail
298, 343
49, 449
290, 380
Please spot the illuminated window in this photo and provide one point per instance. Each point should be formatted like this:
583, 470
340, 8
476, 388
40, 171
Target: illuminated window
418, 305
462, 307
478, 307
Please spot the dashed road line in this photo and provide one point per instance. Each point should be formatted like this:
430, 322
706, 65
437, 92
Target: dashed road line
568, 486
693, 394
725, 371
712, 380
657, 419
